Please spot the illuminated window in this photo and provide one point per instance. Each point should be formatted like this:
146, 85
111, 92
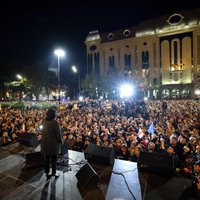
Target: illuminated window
145, 60
145, 73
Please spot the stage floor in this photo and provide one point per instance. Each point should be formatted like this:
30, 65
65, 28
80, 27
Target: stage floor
19, 182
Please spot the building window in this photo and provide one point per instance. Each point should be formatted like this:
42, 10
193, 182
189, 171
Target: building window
175, 93
96, 62
155, 81
154, 55
145, 73
127, 62
110, 36
175, 19
175, 52
111, 64
93, 48
118, 55
198, 49
165, 93
136, 54
126, 33
90, 63
145, 60
185, 93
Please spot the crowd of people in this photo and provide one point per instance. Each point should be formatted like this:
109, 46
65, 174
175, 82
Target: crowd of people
123, 126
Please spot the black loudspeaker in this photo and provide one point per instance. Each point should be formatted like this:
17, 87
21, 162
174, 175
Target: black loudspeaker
34, 159
100, 154
156, 163
29, 139
87, 177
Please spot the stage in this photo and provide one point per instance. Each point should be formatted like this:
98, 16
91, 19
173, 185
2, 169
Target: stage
144, 185
19, 182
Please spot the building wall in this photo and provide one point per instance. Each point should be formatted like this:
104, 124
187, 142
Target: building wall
161, 60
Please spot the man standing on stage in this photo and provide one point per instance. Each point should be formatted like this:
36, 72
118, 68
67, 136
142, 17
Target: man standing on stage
50, 142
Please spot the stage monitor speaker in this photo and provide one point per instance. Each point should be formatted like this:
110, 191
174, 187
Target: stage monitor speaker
29, 139
100, 154
87, 177
34, 159
156, 163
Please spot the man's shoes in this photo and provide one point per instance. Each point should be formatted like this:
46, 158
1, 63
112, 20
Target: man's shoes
48, 176
55, 175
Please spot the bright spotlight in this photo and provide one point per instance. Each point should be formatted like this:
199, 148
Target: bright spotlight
59, 52
40, 127
197, 92
74, 69
126, 91
145, 98
80, 98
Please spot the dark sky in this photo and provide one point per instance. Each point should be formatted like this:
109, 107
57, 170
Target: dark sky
31, 30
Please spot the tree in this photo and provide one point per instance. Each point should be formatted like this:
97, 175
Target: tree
109, 84
39, 77
89, 85
17, 87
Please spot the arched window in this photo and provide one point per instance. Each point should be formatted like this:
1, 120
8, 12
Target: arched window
127, 62
185, 93
145, 60
111, 64
90, 58
165, 93
175, 93
175, 52
96, 62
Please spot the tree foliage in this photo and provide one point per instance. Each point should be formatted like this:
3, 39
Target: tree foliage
39, 77
35, 77
89, 85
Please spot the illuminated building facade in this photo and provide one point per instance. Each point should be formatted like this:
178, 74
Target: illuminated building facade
161, 55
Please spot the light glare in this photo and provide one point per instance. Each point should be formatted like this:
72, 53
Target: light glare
19, 76
80, 98
126, 90
74, 69
59, 52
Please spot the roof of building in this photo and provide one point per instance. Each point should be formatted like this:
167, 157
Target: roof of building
170, 22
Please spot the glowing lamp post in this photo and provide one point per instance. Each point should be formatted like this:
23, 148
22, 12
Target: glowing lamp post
75, 70
19, 76
22, 84
60, 53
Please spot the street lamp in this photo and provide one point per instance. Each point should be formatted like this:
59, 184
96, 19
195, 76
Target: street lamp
60, 53
75, 70
21, 84
19, 76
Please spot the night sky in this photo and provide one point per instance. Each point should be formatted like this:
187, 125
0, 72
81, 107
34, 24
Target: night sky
31, 30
